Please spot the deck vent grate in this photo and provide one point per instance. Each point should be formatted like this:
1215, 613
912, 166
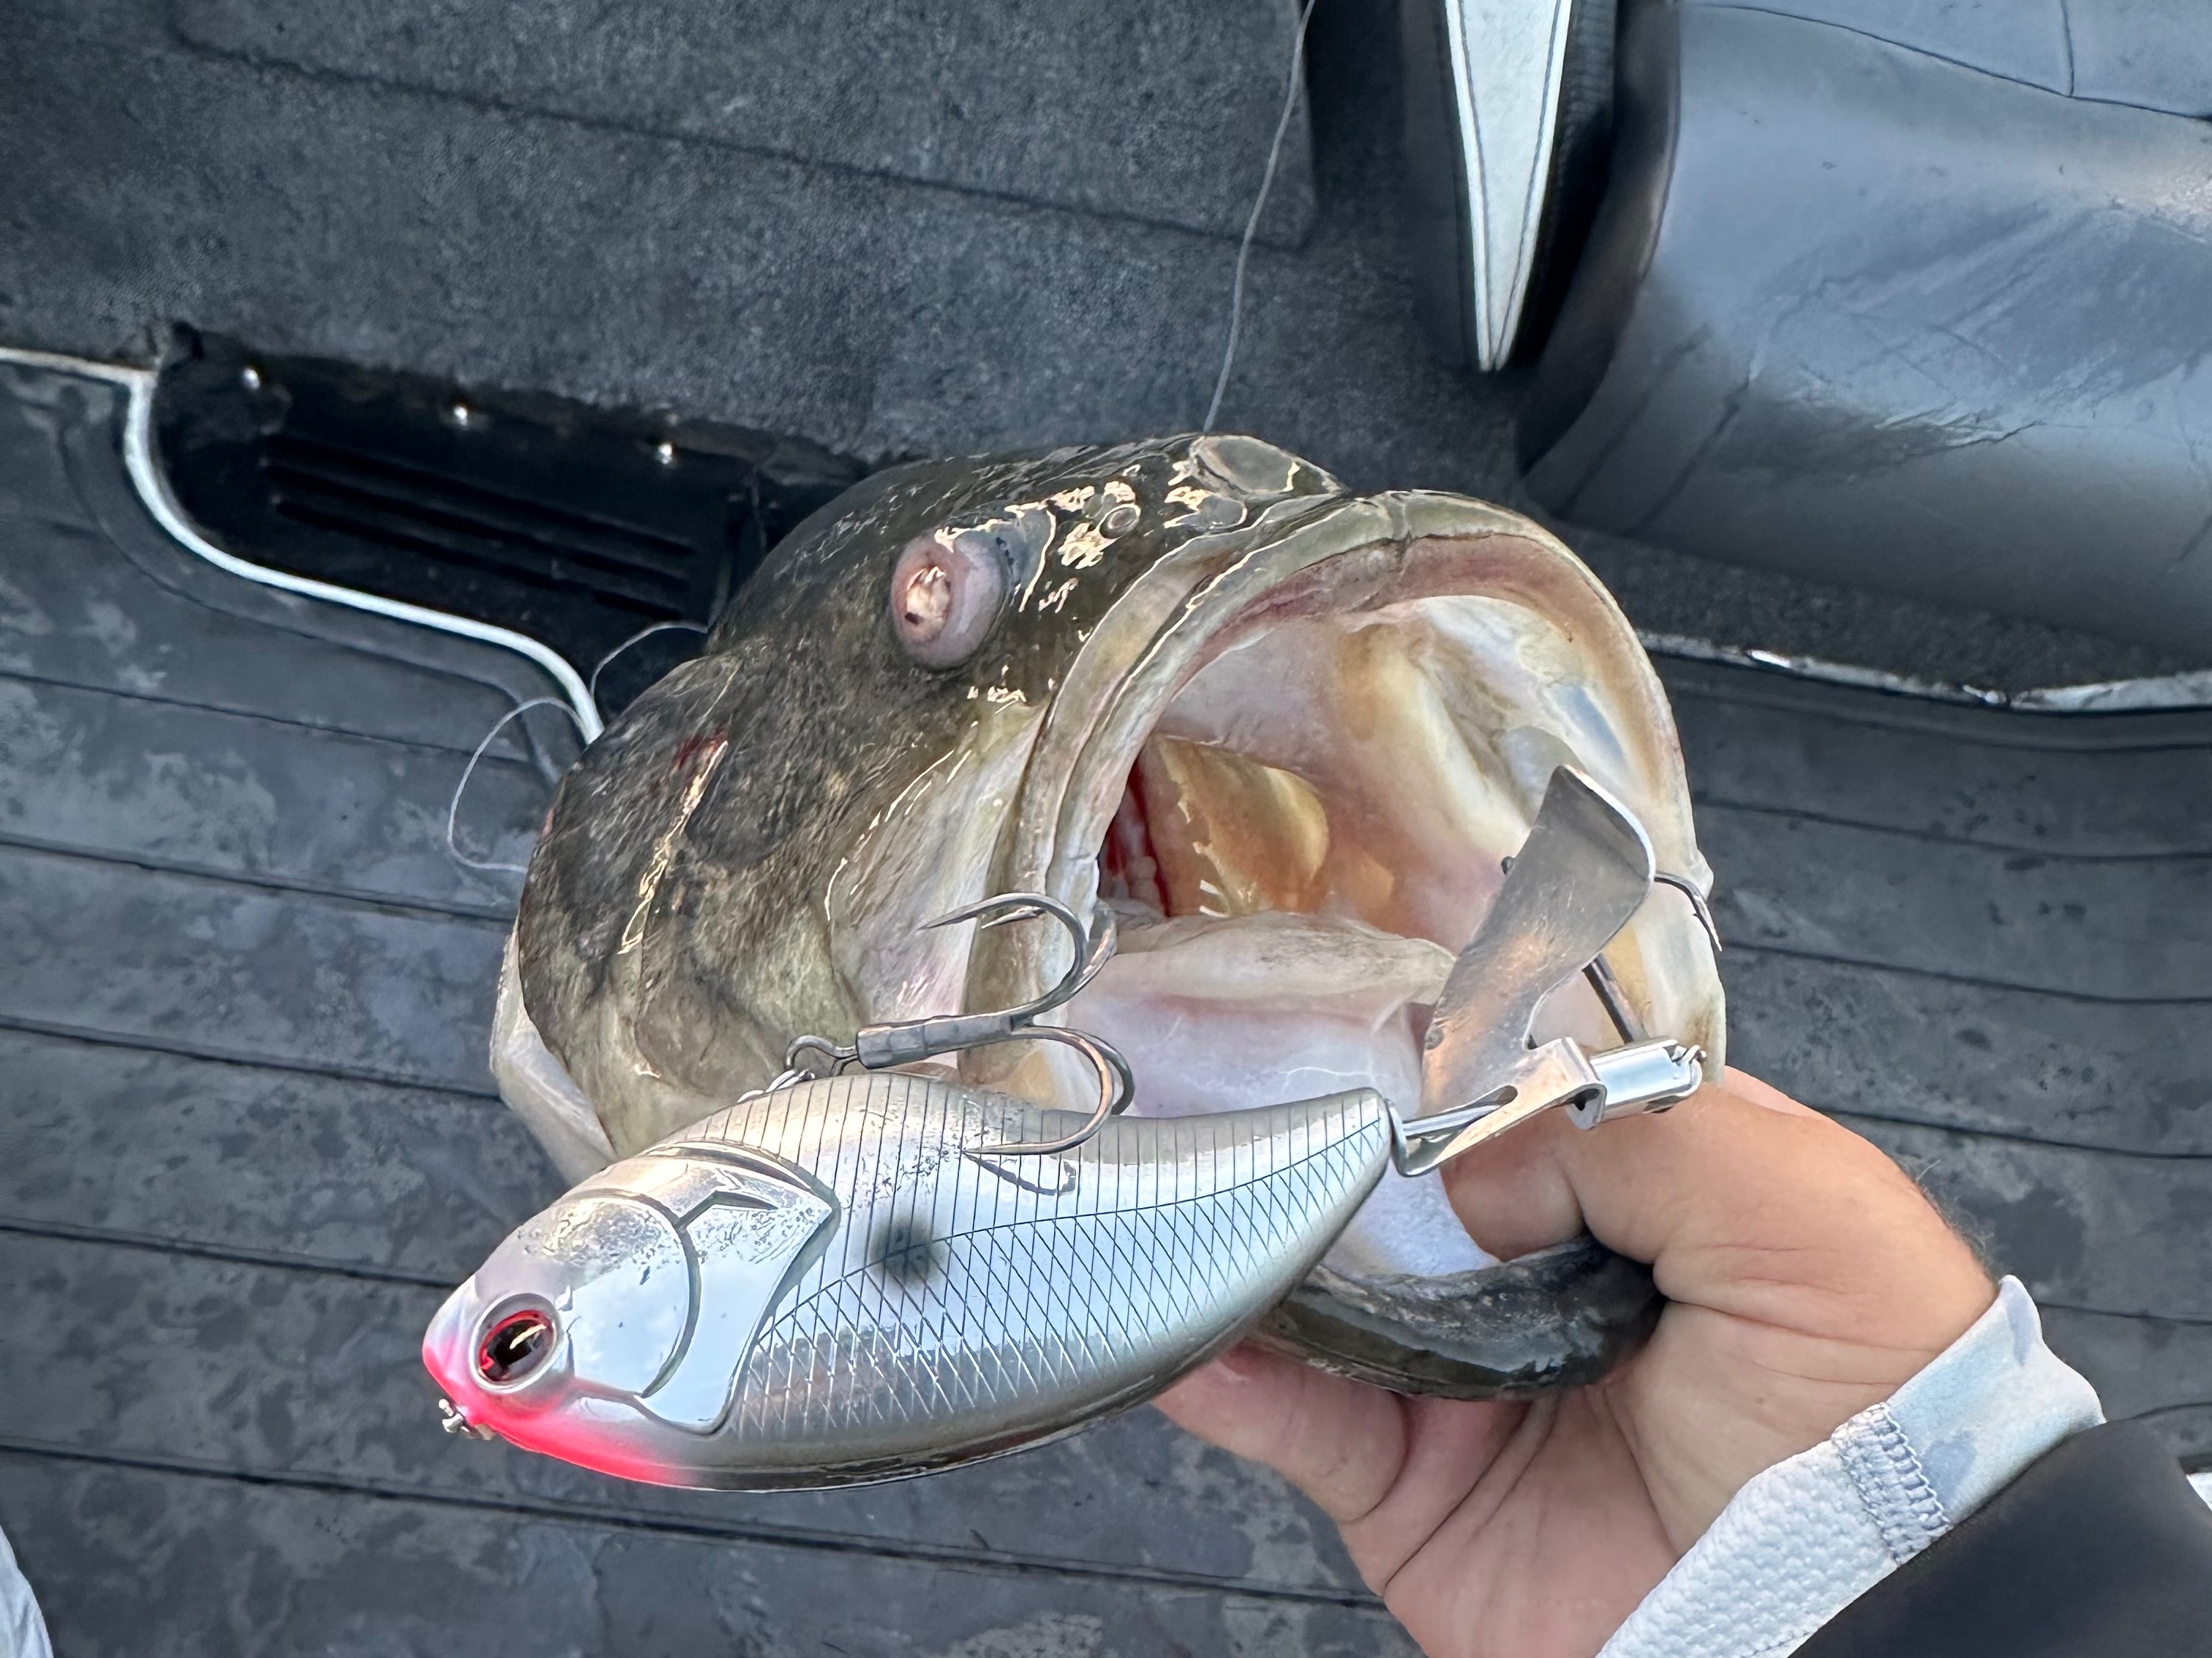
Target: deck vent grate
574, 525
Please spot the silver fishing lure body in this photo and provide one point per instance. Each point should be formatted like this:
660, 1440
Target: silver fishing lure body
839, 1282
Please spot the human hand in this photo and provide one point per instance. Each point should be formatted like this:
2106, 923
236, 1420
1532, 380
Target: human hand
1807, 1278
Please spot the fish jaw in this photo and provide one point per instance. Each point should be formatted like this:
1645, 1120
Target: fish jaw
1528, 655
1339, 735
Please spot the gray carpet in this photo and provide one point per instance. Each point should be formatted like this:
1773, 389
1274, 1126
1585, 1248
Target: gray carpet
1012, 229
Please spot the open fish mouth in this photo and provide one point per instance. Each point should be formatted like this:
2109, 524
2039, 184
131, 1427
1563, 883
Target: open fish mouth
1298, 800
1288, 735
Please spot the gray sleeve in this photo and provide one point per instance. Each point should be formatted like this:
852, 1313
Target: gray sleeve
23, 1631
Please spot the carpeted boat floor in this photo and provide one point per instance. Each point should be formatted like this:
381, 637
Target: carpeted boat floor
981, 224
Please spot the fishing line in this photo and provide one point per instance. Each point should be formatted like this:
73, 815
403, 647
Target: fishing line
1259, 205
453, 806
592, 685
591, 691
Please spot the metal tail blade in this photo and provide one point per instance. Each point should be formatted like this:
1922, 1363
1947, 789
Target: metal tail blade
1578, 878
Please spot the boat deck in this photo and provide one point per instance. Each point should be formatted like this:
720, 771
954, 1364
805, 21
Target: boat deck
250, 1138
248, 1135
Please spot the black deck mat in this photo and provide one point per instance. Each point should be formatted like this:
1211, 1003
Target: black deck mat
249, 1134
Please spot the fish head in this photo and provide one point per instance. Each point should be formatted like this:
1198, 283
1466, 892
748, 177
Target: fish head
1288, 733
610, 1329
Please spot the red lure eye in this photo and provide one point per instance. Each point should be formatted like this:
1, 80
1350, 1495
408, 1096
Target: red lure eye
515, 1346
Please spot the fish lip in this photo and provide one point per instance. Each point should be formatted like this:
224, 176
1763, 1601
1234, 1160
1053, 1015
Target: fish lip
1090, 743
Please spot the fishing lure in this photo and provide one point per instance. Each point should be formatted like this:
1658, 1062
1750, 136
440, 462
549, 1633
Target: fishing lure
871, 1273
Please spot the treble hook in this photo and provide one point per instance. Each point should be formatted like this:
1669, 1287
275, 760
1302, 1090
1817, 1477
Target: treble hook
1116, 1087
903, 1042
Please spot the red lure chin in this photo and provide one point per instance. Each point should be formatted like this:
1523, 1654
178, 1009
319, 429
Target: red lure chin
547, 1422
571, 1436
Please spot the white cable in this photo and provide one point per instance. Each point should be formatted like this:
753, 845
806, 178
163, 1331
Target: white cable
154, 491
1252, 224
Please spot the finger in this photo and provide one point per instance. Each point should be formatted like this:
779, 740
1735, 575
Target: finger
1739, 1204
1340, 1442
1745, 1086
1513, 1194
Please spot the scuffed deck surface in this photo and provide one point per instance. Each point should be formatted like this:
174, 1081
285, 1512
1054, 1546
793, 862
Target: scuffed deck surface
248, 1135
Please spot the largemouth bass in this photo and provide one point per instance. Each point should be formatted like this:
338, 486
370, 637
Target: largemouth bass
1289, 734
839, 1283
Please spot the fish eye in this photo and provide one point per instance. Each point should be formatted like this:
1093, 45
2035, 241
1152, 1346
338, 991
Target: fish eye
516, 1346
946, 591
